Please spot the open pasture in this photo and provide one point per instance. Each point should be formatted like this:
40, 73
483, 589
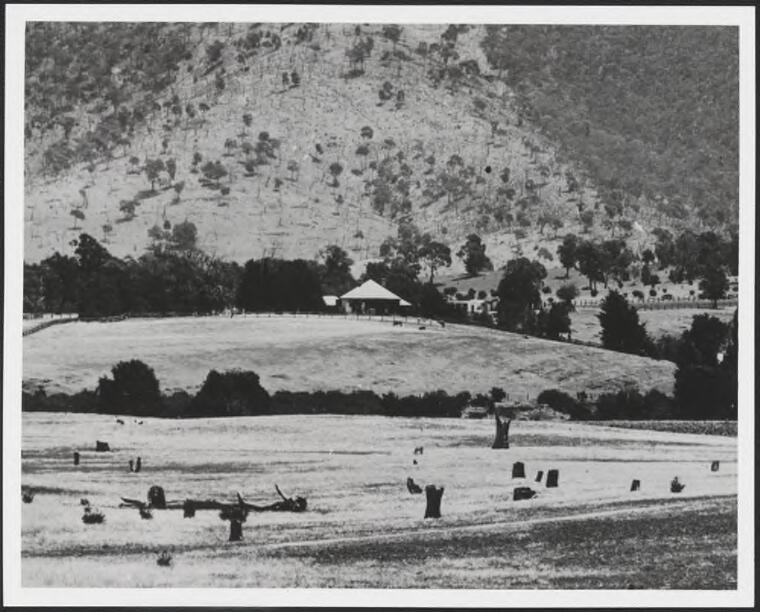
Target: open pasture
362, 527
299, 353
585, 322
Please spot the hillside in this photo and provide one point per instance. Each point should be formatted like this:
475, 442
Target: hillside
306, 354
379, 124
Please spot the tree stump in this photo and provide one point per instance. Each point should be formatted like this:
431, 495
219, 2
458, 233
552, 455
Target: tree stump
552, 479
522, 493
236, 530
539, 475
502, 433
156, 497
412, 486
715, 466
76, 458
433, 508
518, 469
635, 485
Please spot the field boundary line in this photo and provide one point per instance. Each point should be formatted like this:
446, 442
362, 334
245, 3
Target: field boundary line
511, 525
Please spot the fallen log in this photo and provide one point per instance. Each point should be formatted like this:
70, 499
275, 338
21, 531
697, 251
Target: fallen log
287, 504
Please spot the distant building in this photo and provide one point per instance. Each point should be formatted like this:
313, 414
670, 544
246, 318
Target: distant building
477, 306
372, 298
331, 302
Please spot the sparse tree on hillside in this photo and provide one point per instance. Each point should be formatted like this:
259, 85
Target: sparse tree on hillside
473, 253
171, 168
127, 207
587, 219
435, 254
335, 170
184, 236
153, 168
78, 216
568, 253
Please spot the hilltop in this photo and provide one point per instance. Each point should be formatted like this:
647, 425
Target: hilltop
278, 139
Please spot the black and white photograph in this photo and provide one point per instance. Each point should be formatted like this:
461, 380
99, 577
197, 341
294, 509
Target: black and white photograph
393, 305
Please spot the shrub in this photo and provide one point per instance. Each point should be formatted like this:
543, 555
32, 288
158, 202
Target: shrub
653, 293
594, 293
134, 389
231, 393
637, 294
562, 402
546, 289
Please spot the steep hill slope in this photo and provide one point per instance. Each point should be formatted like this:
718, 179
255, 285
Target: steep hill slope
280, 139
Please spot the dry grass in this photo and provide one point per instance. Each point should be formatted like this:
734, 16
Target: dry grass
585, 324
299, 353
712, 428
363, 528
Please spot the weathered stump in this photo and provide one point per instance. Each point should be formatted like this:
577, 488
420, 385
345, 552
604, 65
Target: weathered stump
539, 475
552, 478
156, 497
102, 447
76, 458
236, 530
518, 469
412, 486
715, 466
635, 485
433, 508
502, 433
522, 493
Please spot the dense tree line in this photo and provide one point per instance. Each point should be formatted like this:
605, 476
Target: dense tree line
175, 277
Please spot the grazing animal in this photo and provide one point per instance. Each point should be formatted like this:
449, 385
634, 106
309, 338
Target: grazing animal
164, 559
422, 327
120, 422
418, 450
398, 324
412, 487
84, 501
27, 496
676, 486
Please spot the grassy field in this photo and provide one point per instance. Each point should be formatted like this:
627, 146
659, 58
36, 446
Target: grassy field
585, 324
362, 528
712, 428
301, 354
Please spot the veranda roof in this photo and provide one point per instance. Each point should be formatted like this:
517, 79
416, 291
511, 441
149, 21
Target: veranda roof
370, 290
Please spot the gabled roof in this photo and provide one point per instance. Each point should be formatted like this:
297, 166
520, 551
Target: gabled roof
370, 290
